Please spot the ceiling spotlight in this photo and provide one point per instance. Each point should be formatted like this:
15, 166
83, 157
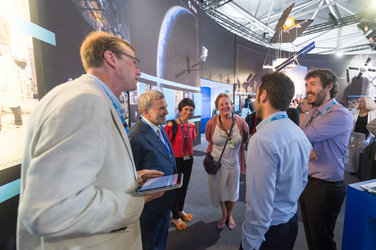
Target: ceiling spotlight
339, 54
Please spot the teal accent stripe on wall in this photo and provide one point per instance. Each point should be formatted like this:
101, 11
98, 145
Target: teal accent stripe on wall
10, 190
33, 30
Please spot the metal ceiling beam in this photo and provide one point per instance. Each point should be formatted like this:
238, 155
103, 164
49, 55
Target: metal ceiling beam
345, 9
331, 9
251, 18
299, 7
297, 15
353, 41
366, 46
270, 11
317, 10
211, 4
299, 11
295, 10
356, 35
230, 23
331, 25
258, 6
236, 27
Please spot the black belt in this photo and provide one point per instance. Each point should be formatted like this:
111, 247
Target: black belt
310, 178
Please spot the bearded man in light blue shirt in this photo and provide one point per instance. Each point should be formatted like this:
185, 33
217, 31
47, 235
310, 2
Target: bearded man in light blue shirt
277, 169
328, 127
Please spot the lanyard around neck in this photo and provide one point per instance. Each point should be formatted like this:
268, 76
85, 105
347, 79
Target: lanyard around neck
318, 116
331, 105
228, 134
278, 117
182, 128
116, 103
164, 141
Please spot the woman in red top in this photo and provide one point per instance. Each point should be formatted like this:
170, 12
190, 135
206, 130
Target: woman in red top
182, 144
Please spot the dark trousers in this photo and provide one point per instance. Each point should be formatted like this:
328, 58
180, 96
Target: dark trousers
17, 113
280, 237
320, 204
154, 232
184, 167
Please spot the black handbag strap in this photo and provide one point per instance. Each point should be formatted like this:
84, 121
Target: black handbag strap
223, 150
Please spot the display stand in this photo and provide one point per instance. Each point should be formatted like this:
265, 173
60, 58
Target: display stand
360, 218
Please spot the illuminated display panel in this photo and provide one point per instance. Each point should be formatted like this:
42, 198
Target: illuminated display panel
18, 84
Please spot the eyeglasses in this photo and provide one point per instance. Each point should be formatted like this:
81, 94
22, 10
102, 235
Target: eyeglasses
137, 61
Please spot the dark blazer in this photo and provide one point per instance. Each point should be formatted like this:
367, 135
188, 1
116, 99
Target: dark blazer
149, 152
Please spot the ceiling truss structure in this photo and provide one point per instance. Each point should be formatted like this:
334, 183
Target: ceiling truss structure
334, 27
340, 22
236, 27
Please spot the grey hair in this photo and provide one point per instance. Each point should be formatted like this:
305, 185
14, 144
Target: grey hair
369, 103
145, 100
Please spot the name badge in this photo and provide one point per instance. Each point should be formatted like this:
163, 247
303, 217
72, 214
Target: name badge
186, 157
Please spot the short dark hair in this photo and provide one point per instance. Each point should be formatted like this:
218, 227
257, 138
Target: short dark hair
186, 102
326, 77
280, 89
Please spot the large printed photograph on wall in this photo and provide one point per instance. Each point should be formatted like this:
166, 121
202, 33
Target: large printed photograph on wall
31, 66
165, 39
18, 85
178, 60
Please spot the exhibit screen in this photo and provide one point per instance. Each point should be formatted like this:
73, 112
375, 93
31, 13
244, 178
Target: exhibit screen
18, 84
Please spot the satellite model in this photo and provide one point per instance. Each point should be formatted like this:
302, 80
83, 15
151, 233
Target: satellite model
295, 57
197, 66
363, 69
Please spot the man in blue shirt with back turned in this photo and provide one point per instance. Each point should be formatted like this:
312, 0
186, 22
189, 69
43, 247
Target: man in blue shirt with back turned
277, 167
327, 127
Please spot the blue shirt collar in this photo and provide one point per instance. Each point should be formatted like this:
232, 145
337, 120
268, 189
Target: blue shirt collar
267, 119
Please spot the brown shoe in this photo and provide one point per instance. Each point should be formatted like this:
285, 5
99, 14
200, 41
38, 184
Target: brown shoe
185, 217
179, 226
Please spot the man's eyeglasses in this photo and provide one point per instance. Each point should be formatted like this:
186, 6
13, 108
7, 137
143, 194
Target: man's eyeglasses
132, 57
